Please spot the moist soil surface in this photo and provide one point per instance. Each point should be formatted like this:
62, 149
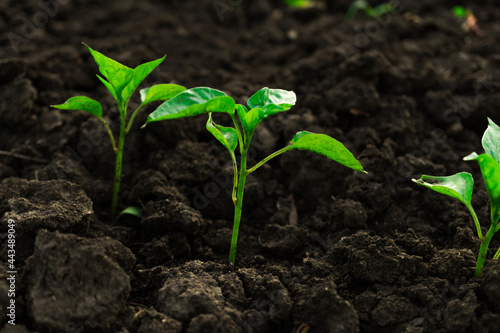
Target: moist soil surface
322, 248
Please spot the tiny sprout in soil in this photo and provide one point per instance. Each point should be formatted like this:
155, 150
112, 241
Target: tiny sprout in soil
375, 12
460, 186
264, 103
121, 81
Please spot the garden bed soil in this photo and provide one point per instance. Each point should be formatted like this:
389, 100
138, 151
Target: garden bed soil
321, 247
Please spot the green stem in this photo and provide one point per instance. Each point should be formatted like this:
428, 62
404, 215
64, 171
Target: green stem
235, 180
273, 155
132, 118
118, 166
485, 242
238, 205
111, 136
497, 254
476, 222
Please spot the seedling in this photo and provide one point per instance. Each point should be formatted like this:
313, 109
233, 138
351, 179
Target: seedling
264, 103
300, 3
363, 5
470, 23
460, 186
121, 81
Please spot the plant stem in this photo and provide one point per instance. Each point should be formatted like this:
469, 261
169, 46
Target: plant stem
133, 117
476, 222
118, 166
276, 153
238, 205
111, 136
485, 242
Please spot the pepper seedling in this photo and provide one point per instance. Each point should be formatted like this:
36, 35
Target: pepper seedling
375, 12
460, 186
262, 104
121, 81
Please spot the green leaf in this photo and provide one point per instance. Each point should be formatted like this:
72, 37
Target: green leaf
272, 97
326, 146
491, 140
458, 186
108, 86
160, 92
140, 73
263, 104
134, 211
490, 170
459, 11
82, 103
226, 135
115, 73
193, 102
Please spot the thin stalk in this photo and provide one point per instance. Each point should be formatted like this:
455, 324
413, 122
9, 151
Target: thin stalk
118, 166
110, 133
273, 155
497, 254
238, 205
476, 222
485, 242
130, 122
235, 180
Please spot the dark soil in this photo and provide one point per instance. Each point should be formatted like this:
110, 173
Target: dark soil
321, 247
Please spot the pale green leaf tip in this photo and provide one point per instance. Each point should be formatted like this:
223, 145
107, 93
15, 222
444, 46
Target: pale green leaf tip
471, 157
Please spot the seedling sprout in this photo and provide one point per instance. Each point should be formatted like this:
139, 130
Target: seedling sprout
264, 103
121, 81
460, 186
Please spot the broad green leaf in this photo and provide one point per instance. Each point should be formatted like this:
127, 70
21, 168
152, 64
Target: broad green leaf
108, 86
82, 103
134, 211
326, 146
193, 102
490, 170
491, 140
277, 97
160, 92
116, 74
458, 186
140, 73
226, 135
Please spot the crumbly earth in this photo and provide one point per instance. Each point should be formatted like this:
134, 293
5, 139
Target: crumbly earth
321, 247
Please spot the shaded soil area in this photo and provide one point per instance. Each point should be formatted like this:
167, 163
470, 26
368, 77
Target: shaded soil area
321, 248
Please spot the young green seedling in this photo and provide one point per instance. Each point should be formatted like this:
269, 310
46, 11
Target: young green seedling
375, 12
264, 103
121, 81
460, 186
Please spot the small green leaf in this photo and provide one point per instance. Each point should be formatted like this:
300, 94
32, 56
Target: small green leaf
458, 186
193, 102
82, 103
326, 146
459, 11
108, 86
491, 140
272, 97
226, 135
160, 92
140, 73
263, 104
490, 170
134, 211
115, 73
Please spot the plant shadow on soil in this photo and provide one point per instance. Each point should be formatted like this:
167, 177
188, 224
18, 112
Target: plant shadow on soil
320, 246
